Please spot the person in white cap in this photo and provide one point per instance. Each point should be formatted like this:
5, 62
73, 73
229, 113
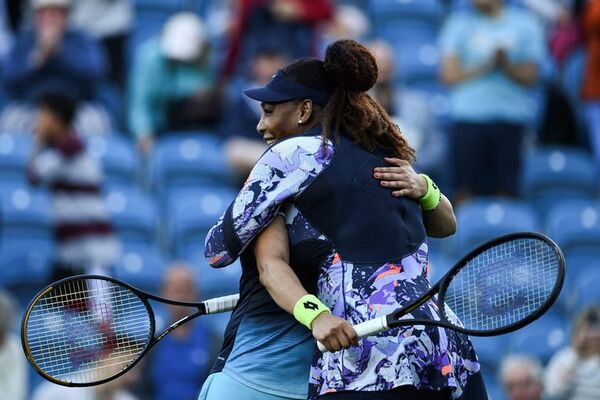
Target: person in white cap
52, 57
173, 84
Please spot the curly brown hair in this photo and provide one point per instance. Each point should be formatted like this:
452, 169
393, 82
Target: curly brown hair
348, 72
351, 109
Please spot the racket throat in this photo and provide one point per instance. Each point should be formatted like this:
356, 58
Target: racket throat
178, 323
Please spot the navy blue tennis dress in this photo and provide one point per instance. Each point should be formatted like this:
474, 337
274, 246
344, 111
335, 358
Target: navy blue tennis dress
362, 251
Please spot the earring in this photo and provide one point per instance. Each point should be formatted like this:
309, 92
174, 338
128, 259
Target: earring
300, 122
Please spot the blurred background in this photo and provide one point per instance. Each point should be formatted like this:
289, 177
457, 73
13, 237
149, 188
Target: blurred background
124, 135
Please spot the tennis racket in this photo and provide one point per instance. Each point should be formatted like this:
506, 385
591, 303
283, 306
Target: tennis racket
89, 329
497, 288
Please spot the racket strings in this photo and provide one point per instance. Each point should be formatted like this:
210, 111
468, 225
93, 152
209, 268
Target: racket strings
503, 285
87, 330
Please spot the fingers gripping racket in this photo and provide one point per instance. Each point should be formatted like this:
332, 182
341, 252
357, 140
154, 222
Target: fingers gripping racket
499, 287
88, 329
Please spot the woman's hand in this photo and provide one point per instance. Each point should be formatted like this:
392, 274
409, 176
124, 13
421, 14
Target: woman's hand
335, 333
402, 178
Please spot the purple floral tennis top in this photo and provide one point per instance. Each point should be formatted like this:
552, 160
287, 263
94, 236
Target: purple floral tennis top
361, 250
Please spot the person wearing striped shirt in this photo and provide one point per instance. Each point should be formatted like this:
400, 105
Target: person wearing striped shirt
85, 242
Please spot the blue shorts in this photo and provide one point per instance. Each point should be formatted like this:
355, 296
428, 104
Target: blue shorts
220, 386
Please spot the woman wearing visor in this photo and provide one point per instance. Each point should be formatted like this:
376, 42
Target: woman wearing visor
361, 248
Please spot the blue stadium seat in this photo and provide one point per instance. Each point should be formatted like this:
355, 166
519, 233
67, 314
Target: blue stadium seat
188, 160
133, 213
117, 155
25, 211
575, 226
573, 72
192, 212
483, 219
141, 265
386, 12
172, 5
586, 287
416, 53
25, 263
458, 5
437, 97
26, 240
554, 174
15, 151
439, 264
572, 75
217, 282
542, 338
490, 350
151, 15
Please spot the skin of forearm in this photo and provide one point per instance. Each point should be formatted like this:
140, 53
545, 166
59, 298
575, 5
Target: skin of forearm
523, 74
453, 72
441, 221
271, 251
281, 282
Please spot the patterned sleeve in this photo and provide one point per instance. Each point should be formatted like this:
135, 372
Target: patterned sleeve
284, 171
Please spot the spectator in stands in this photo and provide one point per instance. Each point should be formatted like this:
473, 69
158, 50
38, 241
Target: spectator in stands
521, 378
490, 60
244, 145
109, 22
591, 85
289, 24
562, 19
573, 373
84, 235
13, 372
173, 85
181, 363
411, 110
53, 57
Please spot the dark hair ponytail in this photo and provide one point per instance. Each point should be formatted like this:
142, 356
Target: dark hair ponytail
353, 71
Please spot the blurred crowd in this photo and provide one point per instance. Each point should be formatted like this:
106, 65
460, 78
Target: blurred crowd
95, 95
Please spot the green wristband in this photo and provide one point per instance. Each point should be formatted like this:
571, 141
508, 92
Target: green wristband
433, 196
307, 309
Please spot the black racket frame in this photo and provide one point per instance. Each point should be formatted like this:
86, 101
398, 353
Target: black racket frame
393, 320
144, 298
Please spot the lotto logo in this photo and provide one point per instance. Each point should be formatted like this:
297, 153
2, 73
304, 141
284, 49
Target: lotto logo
309, 305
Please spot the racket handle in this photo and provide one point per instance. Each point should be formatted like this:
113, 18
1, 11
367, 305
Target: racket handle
364, 329
221, 304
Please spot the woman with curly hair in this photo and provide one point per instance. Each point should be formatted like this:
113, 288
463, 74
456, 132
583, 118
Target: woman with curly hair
344, 236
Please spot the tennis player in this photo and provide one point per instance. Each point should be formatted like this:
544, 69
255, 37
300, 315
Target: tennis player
361, 250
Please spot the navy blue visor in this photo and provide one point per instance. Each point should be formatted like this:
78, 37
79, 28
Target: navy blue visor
280, 89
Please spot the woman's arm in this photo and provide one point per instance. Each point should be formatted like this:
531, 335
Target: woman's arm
271, 250
277, 176
453, 72
441, 221
525, 73
405, 182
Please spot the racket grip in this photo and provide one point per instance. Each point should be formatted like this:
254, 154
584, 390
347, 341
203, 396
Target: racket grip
364, 329
221, 304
